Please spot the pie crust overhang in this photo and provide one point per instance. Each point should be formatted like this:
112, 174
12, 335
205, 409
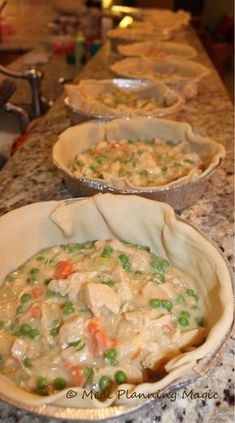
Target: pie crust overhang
29, 229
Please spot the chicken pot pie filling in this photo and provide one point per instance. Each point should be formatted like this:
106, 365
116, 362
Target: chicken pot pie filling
67, 316
122, 101
144, 163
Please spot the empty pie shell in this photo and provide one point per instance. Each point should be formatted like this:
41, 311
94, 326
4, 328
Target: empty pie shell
168, 70
162, 49
27, 230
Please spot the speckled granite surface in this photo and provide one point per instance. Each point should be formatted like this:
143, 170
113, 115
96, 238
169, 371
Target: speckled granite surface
31, 176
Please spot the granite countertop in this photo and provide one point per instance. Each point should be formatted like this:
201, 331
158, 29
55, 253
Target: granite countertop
30, 176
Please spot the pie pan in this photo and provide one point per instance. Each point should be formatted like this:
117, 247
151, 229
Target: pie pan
182, 75
163, 49
83, 100
179, 194
138, 220
128, 35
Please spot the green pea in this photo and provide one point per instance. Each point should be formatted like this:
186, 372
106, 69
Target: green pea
120, 377
41, 386
180, 299
55, 331
25, 298
167, 305
124, 260
1, 324
34, 333
14, 329
164, 169
87, 371
155, 303
59, 383
41, 259
27, 363
107, 251
185, 314
169, 142
68, 308
183, 321
25, 329
101, 159
1, 358
33, 274
110, 355
104, 383
159, 264
42, 382
191, 293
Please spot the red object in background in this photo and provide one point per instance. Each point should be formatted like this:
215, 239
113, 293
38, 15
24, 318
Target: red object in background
224, 30
19, 141
63, 47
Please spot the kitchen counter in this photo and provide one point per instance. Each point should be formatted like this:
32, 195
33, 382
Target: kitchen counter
30, 176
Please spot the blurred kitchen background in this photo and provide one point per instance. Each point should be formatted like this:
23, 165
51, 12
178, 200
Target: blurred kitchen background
213, 21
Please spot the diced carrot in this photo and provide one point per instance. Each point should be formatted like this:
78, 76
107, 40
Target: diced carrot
37, 292
92, 326
113, 343
136, 354
99, 342
36, 312
77, 375
99, 338
63, 269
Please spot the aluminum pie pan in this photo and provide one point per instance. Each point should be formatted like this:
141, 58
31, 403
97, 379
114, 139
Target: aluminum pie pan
78, 116
114, 413
179, 196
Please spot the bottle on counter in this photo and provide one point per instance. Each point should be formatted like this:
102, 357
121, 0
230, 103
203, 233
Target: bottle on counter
79, 50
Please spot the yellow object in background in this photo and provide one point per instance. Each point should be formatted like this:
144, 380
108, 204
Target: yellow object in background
125, 22
106, 4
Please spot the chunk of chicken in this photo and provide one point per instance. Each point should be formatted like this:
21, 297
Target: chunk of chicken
122, 286
142, 317
162, 291
50, 314
72, 284
19, 348
97, 295
7, 310
71, 331
6, 340
140, 261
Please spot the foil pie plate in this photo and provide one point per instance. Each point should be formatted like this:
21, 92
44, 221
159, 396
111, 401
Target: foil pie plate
178, 196
78, 116
122, 413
